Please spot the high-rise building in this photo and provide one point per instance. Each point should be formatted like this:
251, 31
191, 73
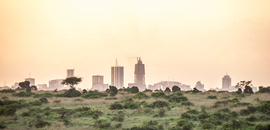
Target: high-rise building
31, 80
226, 82
70, 73
139, 76
117, 76
199, 86
97, 83
56, 84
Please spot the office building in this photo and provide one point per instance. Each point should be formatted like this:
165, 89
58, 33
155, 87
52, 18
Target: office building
199, 86
97, 83
117, 76
70, 73
139, 76
226, 82
56, 84
31, 80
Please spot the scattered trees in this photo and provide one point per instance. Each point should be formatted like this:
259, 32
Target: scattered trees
246, 86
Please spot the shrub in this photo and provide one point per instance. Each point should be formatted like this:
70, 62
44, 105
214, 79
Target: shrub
193, 111
208, 126
251, 118
252, 109
119, 116
158, 94
11, 109
244, 112
94, 95
175, 89
140, 95
84, 91
41, 123
23, 94
212, 97
225, 110
116, 106
185, 124
167, 90
262, 127
56, 101
102, 124
26, 113
71, 93
44, 100
118, 125
2, 125
264, 107
234, 114
203, 115
4, 98
131, 105
187, 103
45, 95
159, 104
134, 89
160, 113
7, 91
177, 99
113, 90
110, 98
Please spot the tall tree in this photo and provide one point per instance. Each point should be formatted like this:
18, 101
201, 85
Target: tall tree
25, 85
71, 81
246, 85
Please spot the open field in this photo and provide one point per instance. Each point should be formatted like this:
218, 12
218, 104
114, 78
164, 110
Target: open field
170, 111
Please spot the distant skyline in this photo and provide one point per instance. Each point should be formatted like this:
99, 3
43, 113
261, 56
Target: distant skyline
185, 41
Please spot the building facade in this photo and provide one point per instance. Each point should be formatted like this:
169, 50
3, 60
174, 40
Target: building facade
70, 73
56, 84
117, 76
31, 80
199, 86
226, 82
139, 76
97, 83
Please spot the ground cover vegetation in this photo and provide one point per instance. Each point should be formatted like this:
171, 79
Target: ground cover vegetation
128, 109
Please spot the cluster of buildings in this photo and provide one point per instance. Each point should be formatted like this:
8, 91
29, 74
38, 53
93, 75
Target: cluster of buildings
117, 80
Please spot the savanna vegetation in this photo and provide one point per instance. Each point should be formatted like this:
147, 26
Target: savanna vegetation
128, 109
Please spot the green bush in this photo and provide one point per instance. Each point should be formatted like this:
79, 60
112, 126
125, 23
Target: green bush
118, 125
45, 95
102, 124
211, 97
177, 99
160, 113
44, 100
193, 111
251, 118
11, 109
112, 90
2, 125
7, 91
70, 93
175, 89
234, 114
159, 104
225, 110
110, 98
185, 124
167, 90
208, 126
23, 94
140, 95
4, 98
252, 109
116, 106
263, 127
94, 95
158, 94
41, 123
244, 112
56, 101
120, 116
203, 115
131, 105
264, 107
187, 103
26, 113
134, 89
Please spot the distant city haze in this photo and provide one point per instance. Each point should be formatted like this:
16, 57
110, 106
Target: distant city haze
185, 41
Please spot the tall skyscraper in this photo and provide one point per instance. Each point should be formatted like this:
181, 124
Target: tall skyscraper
31, 80
70, 73
139, 72
226, 82
97, 83
117, 76
139, 76
199, 86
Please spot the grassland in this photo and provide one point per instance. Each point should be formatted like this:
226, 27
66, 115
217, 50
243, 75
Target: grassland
198, 112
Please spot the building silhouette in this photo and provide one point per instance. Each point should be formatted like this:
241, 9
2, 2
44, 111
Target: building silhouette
31, 80
97, 83
139, 76
56, 84
70, 73
226, 82
117, 76
199, 86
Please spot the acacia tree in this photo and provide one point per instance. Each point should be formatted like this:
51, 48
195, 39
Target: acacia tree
71, 81
25, 85
175, 89
245, 85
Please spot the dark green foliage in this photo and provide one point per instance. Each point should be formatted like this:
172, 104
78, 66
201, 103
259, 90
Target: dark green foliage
187, 103
203, 115
102, 124
160, 113
248, 90
70, 93
44, 100
41, 123
158, 94
45, 95
264, 107
7, 91
185, 124
239, 91
35, 103
148, 90
175, 89
177, 99
148, 125
252, 109
116, 106
78, 99
10, 110
33, 87
118, 125
244, 112
94, 95
211, 97
251, 118
56, 101
159, 104
134, 89
2, 125
131, 105
193, 111
23, 94
195, 90
220, 104
113, 90
84, 91
71, 81
140, 95
120, 116
4, 98
263, 127
25, 85
208, 126
263, 90
167, 90
234, 114
225, 110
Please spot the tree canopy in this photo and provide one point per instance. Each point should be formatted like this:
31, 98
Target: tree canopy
175, 89
25, 85
71, 81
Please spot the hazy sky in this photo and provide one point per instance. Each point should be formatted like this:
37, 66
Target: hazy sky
186, 40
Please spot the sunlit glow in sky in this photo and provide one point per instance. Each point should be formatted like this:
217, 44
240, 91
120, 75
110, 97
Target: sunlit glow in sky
180, 40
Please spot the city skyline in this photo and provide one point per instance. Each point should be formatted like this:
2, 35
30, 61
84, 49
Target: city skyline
186, 41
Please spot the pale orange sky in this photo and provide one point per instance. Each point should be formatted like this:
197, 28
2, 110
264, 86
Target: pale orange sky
186, 40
